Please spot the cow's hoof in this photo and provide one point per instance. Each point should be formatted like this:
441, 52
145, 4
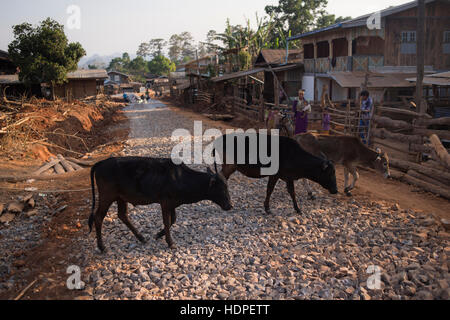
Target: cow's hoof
349, 194
173, 247
312, 197
143, 240
268, 211
160, 235
101, 250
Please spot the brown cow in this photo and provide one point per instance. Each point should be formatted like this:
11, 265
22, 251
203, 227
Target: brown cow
347, 151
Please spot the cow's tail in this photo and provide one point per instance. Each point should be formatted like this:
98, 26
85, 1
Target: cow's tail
92, 216
215, 161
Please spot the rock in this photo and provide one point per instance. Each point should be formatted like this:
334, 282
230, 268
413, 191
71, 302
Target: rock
444, 235
445, 295
7, 218
445, 224
31, 213
31, 203
15, 207
84, 298
396, 207
425, 295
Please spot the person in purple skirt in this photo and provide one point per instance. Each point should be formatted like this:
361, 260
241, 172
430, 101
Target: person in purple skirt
301, 109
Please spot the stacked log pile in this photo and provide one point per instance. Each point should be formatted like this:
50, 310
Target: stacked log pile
411, 140
59, 165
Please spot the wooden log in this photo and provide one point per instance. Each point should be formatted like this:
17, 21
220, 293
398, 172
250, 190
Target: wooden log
443, 156
445, 193
46, 167
443, 134
433, 122
75, 166
401, 111
59, 168
439, 175
433, 164
398, 175
386, 122
420, 148
385, 134
394, 145
66, 165
427, 179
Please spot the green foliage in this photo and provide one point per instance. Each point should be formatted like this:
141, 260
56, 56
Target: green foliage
326, 20
153, 48
245, 60
43, 53
299, 16
181, 47
161, 65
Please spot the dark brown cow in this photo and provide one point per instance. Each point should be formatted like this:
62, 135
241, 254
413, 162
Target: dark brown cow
347, 151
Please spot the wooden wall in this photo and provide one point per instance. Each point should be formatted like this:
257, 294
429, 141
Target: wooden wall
438, 21
77, 89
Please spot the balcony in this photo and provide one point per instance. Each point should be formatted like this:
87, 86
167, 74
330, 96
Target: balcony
366, 62
355, 63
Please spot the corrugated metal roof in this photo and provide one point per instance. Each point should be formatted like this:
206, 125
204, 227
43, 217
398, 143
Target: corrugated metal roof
278, 56
437, 79
119, 73
87, 74
362, 20
376, 80
237, 75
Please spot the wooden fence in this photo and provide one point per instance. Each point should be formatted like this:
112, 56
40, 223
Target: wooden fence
417, 155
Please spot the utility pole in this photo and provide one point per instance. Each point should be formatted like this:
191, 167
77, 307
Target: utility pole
420, 57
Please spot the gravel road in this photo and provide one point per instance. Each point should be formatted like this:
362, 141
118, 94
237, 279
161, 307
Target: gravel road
246, 254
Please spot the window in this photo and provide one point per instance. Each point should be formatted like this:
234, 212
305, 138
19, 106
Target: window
117, 78
446, 44
446, 36
408, 45
408, 37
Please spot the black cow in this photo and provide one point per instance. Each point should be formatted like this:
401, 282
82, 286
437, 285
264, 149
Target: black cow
294, 164
145, 181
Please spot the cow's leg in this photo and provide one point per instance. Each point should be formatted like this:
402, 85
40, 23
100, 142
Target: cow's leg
100, 215
307, 186
167, 218
291, 190
173, 220
346, 178
123, 216
271, 186
228, 170
355, 174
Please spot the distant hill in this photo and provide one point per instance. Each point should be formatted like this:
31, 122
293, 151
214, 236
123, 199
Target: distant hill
101, 62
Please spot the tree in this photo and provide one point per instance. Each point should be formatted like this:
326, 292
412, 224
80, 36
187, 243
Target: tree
326, 20
43, 53
144, 50
156, 47
161, 65
181, 47
297, 16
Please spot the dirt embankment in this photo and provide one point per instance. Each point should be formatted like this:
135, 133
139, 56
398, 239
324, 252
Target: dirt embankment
34, 247
37, 129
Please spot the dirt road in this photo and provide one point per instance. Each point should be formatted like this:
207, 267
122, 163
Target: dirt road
246, 254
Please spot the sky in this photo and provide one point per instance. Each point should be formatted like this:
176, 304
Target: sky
115, 26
